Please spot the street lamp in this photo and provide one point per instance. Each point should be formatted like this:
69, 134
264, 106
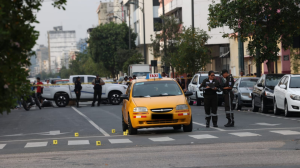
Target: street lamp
145, 56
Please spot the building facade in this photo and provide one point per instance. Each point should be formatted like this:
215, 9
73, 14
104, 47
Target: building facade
41, 56
58, 41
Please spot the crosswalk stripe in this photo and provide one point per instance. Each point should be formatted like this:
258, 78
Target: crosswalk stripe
244, 134
161, 139
203, 136
286, 132
35, 144
79, 142
2, 146
117, 141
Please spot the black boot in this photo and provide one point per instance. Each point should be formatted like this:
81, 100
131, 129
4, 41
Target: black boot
77, 104
232, 120
229, 120
215, 121
207, 121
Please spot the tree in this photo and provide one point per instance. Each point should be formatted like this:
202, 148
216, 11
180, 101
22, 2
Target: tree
171, 32
192, 54
127, 57
18, 37
295, 58
266, 22
104, 42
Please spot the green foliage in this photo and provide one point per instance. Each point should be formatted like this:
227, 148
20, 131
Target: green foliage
104, 43
192, 54
18, 37
266, 22
127, 57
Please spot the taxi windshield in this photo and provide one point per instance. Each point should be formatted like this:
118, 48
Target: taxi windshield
156, 89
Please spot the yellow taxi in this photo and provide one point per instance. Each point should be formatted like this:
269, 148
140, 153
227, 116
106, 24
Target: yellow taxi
155, 102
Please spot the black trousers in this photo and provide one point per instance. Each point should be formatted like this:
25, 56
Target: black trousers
228, 99
78, 97
97, 93
211, 105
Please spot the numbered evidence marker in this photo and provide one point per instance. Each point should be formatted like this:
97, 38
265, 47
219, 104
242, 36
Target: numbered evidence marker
113, 131
76, 134
125, 133
98, 143
54, 142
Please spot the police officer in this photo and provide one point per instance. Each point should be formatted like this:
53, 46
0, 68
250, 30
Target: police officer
228, 97
97, 82
210, 88
77, 90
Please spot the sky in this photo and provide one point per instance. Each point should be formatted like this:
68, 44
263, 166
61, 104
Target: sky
79, 16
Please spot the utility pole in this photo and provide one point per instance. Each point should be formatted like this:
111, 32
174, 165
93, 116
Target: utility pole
145, 53
165, 41
241, 53
258, 63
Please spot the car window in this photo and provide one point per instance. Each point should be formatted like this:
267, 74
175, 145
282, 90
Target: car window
263, 80
201, 79
272, 80
236, 83
195, 80
248, 83
281, 81
128, 90
81, 79
295, 82
90, 79
156, 89
286, 81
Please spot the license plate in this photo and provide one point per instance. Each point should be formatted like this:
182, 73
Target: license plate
162, 116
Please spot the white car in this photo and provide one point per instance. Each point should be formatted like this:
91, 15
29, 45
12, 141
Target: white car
197, 93
61, 94
287, 95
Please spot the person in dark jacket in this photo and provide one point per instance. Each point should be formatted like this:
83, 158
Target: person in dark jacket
77, 90
97, 82
228, 97
210, 87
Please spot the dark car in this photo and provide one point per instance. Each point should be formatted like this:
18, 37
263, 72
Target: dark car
263, 92
242, 91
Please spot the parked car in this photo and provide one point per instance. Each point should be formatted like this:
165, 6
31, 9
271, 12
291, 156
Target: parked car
263, 92
63, 93
53, 80
242, 91
287, 95
197, 93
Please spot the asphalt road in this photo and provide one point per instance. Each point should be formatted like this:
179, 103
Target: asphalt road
258, 140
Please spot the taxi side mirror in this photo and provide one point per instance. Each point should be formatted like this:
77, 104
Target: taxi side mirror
124, 96
188, 93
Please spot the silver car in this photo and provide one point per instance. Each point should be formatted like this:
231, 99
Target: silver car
242, 90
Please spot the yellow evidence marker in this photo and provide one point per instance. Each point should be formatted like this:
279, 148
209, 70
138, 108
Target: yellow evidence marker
54, 142
98, 143
125, 133
76, 134
113, 131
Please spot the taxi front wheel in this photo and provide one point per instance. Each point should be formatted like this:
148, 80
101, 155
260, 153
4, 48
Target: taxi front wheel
188, 128
131, 130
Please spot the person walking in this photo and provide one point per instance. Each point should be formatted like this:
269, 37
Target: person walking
210, 88
228, 97
77, 90
97, 82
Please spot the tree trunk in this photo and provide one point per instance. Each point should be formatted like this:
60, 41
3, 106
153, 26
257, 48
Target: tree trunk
269, 65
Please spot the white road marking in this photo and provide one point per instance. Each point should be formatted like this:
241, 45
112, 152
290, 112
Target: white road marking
92, 122
161, 139
203, 136
244, 134
79, 142
265, 124
117, 141
286, 132
2, 146
35, 144
219, 129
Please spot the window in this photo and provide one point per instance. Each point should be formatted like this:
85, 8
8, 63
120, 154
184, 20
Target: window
90, 79
201, 79
263, 80
128, 90
195, 80
81, 79
281, 81
272, 80
286, 81
248, 83
236, 83
295, 82
156, 89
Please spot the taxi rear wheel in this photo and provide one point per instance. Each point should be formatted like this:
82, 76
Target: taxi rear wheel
188, 128
131, 130
124, 125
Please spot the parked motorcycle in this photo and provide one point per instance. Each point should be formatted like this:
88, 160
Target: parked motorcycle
29, 101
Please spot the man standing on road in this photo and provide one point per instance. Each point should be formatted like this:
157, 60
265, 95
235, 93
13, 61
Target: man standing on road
97, 82
125, 82
77, 90
39, 89
211, 86
228, 97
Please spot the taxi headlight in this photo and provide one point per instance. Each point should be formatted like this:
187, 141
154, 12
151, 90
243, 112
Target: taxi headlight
182, 107
140, 109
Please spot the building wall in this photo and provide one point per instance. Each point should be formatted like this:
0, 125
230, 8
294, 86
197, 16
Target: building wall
58, 41
103, 10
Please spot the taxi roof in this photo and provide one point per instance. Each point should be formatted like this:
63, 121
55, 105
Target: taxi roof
149, 80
